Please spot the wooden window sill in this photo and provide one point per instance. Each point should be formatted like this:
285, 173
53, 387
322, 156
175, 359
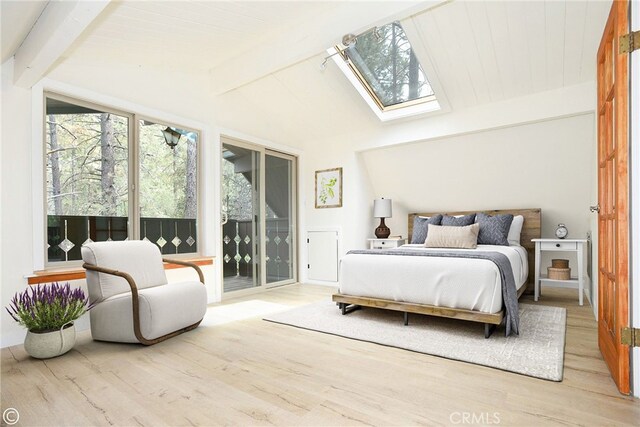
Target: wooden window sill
59, 275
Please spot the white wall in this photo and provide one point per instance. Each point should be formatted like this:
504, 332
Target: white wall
21, 175
353, 219
16, 206
292, 120
548, 164
545, 165
173, 97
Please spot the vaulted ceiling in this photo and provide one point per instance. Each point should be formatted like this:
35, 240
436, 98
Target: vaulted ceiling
188, 35
16, 20
262, 58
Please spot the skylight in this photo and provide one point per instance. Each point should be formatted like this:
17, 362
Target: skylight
384, 68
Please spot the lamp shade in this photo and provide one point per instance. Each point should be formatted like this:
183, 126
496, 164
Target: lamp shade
382, 208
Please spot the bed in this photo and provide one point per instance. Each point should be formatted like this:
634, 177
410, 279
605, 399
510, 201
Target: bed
461, 288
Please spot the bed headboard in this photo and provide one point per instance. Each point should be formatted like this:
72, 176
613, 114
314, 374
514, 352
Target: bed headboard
530, 229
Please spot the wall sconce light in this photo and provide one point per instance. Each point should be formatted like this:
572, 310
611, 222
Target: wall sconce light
171, 137
382, 210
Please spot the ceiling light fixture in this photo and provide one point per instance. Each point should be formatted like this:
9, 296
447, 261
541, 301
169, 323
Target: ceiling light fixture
350, 40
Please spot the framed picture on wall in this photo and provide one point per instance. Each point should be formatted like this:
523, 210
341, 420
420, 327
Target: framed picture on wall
329, 188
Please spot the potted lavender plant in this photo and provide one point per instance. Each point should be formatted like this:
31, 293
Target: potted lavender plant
48, 313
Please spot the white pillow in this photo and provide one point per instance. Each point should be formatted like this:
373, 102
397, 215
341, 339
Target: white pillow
443, 236
515, 230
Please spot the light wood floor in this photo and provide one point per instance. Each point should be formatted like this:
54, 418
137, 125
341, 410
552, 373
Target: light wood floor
252, 372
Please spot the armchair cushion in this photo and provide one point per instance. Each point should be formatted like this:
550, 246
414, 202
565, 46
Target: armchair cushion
138, 258
163, 309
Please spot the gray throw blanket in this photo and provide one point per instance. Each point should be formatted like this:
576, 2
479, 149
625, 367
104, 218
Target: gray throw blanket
509, 292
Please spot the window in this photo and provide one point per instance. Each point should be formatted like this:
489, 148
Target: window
383, 66
90, 156
168, 193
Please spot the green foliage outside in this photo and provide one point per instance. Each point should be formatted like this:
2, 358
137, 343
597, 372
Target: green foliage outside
389, 65
88, 161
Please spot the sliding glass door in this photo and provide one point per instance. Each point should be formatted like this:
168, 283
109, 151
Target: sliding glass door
279, 216
241, 231
258, 203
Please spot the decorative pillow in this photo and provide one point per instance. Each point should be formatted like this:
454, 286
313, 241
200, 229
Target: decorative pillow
462, 237
458, 221
494, 230
420, 227
515, 230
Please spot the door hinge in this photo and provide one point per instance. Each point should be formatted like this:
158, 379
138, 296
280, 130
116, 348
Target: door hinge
629, 42
630, 337
308, 265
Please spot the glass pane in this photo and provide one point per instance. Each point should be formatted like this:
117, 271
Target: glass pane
87, 178
386, 61
168, 187
279, 222
241, 202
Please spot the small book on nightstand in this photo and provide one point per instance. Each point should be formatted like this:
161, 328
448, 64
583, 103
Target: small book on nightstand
394, 237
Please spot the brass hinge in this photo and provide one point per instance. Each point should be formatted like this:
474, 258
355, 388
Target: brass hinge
630, 337
630, 42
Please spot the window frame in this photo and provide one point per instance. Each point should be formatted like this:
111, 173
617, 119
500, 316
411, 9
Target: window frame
341, 50
133, 169
436, 103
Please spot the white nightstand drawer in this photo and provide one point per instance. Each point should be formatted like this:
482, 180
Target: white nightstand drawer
385, 243
558, 246
381, 244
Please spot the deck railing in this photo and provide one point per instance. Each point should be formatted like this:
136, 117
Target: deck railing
67, 233
239, 249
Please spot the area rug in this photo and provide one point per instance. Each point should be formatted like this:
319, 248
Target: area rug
537, 352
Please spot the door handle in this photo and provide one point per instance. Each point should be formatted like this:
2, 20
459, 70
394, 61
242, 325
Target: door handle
595, 208
225, 218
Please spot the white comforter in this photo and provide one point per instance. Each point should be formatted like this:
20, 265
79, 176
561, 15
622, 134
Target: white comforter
472, 284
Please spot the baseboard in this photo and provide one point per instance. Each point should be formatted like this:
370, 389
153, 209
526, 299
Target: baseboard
320, 282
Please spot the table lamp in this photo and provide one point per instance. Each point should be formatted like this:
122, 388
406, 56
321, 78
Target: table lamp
382, 210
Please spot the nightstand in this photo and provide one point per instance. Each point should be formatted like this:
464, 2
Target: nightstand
560, 245
385, 243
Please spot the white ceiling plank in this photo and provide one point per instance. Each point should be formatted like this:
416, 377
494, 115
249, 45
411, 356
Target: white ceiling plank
535, 30
59, 25
596, 19
518, 40
477, 13
468, 52
554, 41
498, 22
307, 39
574, 30
454, 49
430, 36
416, 36
16, 20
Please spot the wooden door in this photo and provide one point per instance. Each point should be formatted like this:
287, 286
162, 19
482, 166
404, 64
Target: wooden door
613, 196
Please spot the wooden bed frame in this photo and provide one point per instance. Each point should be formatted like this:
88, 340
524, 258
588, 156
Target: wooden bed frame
530, 230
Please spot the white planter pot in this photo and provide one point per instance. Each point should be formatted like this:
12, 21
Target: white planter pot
50, 344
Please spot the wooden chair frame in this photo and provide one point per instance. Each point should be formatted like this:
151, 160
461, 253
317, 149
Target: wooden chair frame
136, 301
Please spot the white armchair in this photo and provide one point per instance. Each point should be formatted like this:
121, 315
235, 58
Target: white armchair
134, 301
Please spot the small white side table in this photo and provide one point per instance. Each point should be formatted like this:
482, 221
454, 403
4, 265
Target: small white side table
560, 245
385, 243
